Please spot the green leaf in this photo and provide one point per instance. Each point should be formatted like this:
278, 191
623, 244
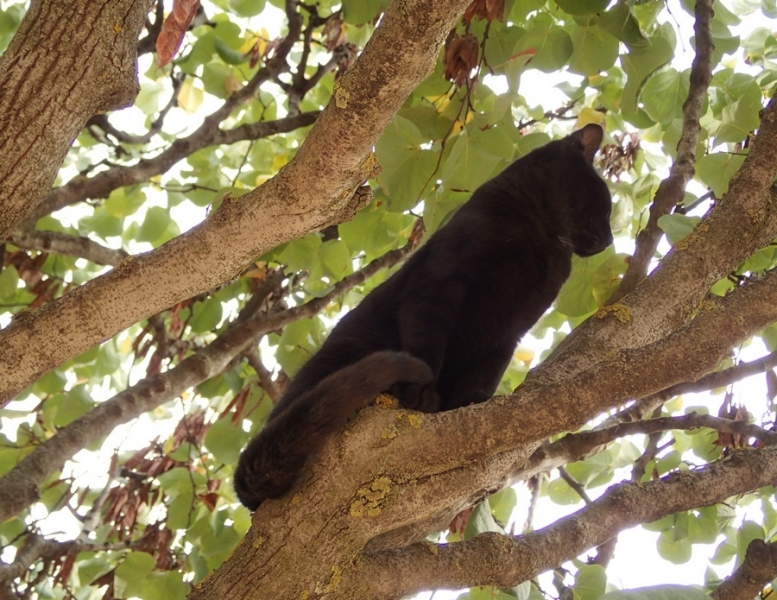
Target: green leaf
102, 223
561, 493
154, 225
659, 592
582, 7
552, 45
150, 97
664, 94
131, 574
9, 281
620, 23
748, 531
247, 8
228, 55
607, 278
359, 12
206, 315
474, 157
677, 226
590, 582
214, 78
502, 504
641, 65
716, 170
576, 297
63, 409
481, 521
301, 254
407, 169
703, 528
595, 50
741, 117
179, 481
52, 382
122, 202
674, 546
336, 259
168, 585
225, 439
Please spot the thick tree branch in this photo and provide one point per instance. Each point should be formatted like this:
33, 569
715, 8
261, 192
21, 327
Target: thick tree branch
757, 570
716, 379
83, 62
314, 190
493, 559
672, 189
61, 243
20, 487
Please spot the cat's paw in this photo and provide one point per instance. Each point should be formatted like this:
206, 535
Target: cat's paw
423, 398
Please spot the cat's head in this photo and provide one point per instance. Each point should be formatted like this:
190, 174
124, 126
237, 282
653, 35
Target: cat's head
591, 231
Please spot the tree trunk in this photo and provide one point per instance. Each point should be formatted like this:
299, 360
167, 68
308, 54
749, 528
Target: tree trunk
68, 61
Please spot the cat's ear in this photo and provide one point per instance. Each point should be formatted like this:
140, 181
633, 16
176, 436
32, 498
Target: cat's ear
590, 138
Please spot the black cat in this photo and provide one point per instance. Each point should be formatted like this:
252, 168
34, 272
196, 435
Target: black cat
440, 332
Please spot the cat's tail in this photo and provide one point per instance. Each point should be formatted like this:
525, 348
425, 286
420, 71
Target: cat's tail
271, 460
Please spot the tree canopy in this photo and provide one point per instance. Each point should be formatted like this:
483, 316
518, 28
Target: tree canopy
176, 241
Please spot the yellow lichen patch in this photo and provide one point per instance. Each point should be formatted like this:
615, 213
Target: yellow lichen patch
370, 168
304, 595
295, 499
117, 27
432, 548
370, 500
334, 581
259, 541
707, 305
619, 311
341, 97
415, 420
386, 401
389, 433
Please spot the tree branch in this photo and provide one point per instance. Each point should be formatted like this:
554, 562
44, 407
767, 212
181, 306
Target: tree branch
672, 189
716, 379
757, 570
61, 243
94, 48
493, 559
19, 487
100, 185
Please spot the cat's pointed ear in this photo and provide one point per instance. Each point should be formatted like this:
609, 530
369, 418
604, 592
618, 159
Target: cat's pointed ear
590, 138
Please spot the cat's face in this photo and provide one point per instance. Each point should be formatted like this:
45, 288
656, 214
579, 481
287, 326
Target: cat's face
591, 232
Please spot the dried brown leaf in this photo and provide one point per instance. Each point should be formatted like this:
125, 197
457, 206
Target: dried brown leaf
174, 28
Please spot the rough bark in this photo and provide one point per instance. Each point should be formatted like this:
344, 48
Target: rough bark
312, 191
68, 61
757, 570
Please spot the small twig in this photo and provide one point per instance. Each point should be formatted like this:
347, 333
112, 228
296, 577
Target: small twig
265, 377
672, 189
651, 449
70, 245
574, 484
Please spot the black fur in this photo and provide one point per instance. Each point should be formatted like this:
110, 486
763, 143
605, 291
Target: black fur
459, 306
